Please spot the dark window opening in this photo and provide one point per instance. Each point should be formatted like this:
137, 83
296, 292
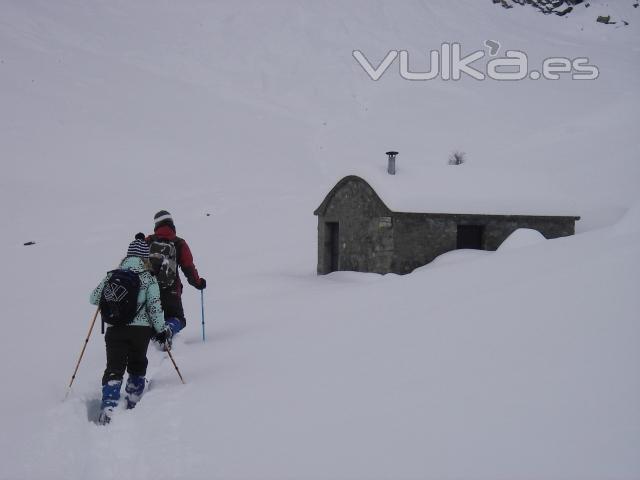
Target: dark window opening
471, 236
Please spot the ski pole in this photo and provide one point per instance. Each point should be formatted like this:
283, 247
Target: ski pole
174, 364
202, 305
86, 340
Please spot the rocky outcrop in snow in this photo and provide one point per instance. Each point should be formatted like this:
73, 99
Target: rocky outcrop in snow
558, 7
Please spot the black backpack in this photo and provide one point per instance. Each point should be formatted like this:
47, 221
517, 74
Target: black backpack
119, 298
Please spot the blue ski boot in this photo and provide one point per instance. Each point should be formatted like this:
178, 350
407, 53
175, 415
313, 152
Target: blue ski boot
133, 390
110, 397
174, 324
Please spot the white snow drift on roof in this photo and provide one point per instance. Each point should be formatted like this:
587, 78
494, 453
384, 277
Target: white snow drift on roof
466, 189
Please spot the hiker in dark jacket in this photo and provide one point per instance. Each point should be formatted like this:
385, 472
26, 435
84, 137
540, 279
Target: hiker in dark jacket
127, 345
168, 251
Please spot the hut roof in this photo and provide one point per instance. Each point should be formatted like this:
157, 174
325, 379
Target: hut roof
465, 190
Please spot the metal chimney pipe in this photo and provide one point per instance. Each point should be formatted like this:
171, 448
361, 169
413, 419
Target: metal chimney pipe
391, 168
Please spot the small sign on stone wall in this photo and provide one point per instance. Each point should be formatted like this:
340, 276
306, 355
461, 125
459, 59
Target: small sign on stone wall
385, 222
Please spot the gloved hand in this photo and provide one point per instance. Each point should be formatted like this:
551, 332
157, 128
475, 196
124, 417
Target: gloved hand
202, 285
164, 336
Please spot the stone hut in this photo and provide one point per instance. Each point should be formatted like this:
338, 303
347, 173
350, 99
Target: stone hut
358, 232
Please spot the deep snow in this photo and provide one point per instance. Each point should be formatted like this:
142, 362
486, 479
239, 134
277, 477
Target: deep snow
521, 363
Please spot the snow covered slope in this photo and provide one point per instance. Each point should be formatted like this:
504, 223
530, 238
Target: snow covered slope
517, 364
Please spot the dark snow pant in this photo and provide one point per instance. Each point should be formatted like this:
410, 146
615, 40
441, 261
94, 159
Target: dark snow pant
172, 305
126, 350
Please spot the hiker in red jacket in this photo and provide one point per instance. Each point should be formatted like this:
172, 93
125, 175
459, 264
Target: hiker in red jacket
167, 252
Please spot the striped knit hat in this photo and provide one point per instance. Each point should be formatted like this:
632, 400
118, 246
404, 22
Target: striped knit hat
138, 248
162, 217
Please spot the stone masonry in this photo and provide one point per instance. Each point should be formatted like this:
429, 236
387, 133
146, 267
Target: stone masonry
358, 232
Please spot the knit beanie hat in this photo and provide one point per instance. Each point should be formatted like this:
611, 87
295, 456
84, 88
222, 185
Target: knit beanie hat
162, 217
138, 248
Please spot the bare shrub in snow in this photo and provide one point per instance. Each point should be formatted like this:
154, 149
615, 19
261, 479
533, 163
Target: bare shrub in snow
457, 158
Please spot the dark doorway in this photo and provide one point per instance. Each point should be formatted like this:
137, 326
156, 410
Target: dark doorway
332, 245
470, 236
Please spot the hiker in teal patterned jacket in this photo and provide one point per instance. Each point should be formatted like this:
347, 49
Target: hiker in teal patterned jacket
126, 345
150, 316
